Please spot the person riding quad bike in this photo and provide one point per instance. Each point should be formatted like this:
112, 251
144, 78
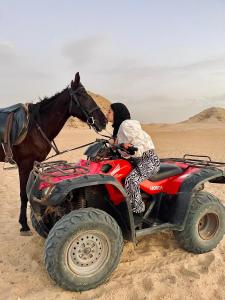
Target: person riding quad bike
129, 133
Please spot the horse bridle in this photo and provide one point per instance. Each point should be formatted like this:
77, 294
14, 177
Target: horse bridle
88, 114
90, 119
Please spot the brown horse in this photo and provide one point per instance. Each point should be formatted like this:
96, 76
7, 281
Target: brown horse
47, 118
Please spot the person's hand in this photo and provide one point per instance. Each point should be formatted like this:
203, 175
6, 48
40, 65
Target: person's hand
111, 141
127, 145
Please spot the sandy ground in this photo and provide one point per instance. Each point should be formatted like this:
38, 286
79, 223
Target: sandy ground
157, 269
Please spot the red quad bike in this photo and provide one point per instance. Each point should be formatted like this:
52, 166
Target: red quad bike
82, 211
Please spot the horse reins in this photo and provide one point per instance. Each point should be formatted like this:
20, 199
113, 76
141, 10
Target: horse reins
51, 144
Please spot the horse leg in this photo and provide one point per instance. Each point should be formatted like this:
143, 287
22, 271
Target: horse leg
24, 171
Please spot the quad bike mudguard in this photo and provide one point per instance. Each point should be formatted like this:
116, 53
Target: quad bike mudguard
192, 184
63, 188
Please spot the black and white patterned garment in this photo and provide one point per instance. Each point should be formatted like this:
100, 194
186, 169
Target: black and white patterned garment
147, 166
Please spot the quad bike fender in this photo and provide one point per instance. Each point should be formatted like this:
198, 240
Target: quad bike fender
63, 188
123, 210
219, 179
193, 183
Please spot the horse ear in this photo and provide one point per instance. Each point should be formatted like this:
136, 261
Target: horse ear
77, 79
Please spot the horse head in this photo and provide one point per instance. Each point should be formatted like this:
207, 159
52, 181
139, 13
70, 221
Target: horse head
83, 106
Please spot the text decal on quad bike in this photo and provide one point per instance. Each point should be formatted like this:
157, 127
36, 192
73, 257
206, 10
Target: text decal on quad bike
117, 168
156, 188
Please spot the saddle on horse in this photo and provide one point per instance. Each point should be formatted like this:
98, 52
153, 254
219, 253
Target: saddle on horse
13, 128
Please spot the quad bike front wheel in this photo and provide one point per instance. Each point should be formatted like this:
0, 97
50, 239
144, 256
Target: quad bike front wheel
205, 224
82, 249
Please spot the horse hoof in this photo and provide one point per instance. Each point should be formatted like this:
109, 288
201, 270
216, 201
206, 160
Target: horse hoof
26, 233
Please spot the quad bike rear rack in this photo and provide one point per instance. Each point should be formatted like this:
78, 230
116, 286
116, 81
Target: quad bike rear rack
200, 161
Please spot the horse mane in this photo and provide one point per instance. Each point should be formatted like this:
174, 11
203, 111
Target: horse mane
35, 109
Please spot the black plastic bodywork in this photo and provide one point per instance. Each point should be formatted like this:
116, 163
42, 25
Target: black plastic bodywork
191, 185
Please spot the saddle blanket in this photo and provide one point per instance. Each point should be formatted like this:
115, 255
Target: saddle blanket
20, 123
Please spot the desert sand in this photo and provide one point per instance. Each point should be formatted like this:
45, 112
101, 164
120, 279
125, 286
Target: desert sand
156, 269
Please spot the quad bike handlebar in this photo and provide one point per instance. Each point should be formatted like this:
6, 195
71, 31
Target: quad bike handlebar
131, 150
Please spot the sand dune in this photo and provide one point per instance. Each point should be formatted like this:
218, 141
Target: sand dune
211, 115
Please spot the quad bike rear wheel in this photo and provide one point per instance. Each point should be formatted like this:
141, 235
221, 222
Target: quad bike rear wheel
83, 248
205, 224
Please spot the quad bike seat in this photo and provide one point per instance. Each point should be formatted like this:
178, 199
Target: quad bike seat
166, 170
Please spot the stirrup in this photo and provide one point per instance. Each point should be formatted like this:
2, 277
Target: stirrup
11, 161
8, 160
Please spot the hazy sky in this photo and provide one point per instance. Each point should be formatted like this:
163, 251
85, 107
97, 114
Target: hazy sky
164, 59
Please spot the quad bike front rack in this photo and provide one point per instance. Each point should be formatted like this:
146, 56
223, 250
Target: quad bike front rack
58, 168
